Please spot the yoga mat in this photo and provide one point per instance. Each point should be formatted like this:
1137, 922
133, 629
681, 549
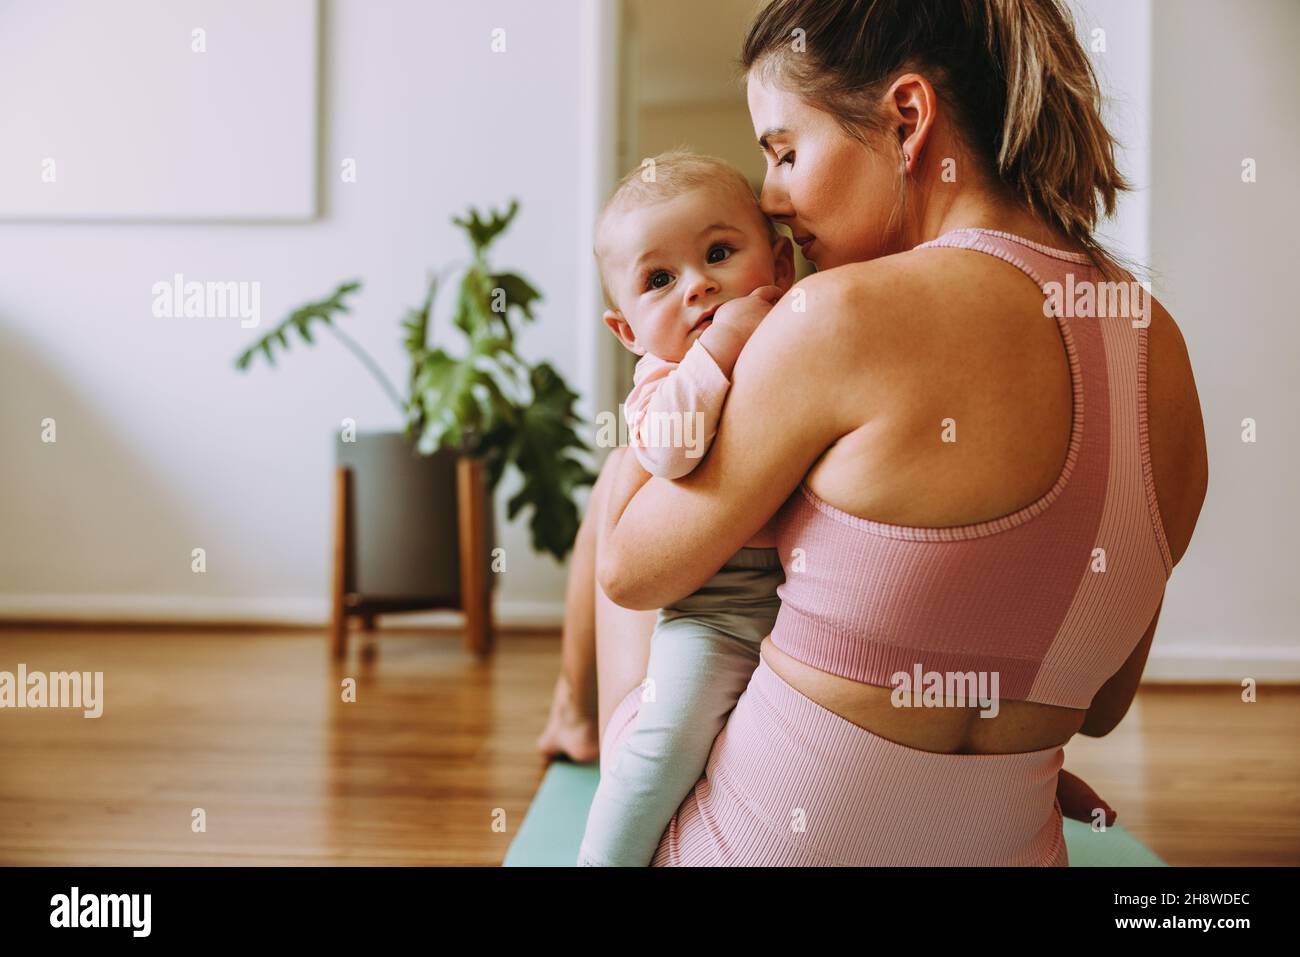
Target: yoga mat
552, 828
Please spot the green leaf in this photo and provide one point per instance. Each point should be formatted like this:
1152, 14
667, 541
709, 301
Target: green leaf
482, 232
416, 322
551, 474
519, 293
415, 341
299, 321
445, 391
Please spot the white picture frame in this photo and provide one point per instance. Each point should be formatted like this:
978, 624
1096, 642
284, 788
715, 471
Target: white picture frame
159, 110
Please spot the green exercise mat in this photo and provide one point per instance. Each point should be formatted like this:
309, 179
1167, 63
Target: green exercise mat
552, 829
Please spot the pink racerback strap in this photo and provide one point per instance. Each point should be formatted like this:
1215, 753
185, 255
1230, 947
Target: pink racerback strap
1052, 597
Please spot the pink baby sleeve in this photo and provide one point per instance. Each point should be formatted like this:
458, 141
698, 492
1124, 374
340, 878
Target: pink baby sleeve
673, 410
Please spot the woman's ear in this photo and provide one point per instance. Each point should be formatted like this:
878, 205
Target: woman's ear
623, 329
783, 263
914, 105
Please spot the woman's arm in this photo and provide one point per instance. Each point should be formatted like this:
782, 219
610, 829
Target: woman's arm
1112, 700
664, 539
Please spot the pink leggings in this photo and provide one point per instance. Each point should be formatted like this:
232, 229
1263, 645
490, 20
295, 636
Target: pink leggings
789, 783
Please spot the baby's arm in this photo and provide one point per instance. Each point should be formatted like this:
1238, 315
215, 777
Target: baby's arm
673, 410
674, 407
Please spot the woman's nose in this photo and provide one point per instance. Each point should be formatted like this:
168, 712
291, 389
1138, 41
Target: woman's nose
773, 199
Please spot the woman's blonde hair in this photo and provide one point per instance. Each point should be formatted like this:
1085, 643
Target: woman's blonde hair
1022, 90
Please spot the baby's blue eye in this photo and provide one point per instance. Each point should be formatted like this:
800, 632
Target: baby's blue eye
720, 247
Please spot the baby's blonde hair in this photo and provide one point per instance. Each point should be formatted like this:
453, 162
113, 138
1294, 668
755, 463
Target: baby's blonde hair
663, 177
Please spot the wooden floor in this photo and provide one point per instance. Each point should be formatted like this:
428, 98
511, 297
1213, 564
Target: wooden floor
250, 727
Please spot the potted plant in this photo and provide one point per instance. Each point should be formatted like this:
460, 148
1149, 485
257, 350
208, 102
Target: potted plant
414, 516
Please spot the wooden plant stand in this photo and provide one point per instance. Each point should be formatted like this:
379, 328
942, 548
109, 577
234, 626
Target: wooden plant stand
475, 594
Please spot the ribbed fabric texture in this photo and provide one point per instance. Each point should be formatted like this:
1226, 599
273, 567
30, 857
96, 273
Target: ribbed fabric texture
791, 783
1020, 595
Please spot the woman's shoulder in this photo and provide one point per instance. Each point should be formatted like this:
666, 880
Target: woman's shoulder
856, 294
894, 299
875, 329
885, 280
910, 319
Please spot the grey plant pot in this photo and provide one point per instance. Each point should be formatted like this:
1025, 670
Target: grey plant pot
404, 531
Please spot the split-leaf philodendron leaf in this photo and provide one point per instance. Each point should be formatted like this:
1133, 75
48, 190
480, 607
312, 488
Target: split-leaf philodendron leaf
489, 402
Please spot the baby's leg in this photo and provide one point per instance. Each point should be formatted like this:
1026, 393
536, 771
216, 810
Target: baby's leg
695, 675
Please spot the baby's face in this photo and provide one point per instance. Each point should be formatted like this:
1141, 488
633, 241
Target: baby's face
669, 265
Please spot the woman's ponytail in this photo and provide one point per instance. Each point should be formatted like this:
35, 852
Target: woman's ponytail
1054, 149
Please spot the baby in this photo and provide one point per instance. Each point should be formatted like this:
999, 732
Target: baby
672, 248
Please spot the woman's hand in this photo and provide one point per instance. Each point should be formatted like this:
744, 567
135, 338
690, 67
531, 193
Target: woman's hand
1078, 801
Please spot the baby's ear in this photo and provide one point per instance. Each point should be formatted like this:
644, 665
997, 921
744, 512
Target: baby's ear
623, 329
783, 263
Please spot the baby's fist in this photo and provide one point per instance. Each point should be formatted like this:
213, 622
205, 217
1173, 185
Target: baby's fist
743, 314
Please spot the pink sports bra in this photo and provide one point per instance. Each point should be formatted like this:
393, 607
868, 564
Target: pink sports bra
1053, 597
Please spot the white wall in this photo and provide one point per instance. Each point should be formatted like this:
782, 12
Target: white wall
1191, 87
101, 148
1223, 253
162, 446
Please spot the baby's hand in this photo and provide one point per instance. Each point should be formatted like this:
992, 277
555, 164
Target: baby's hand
734, 322
742, 315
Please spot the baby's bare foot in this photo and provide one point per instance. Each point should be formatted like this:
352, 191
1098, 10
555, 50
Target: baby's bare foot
569, 731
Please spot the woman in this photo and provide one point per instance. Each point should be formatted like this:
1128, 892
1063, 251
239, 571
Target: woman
958, 485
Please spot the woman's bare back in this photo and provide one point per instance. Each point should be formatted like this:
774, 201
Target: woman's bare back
971, 345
